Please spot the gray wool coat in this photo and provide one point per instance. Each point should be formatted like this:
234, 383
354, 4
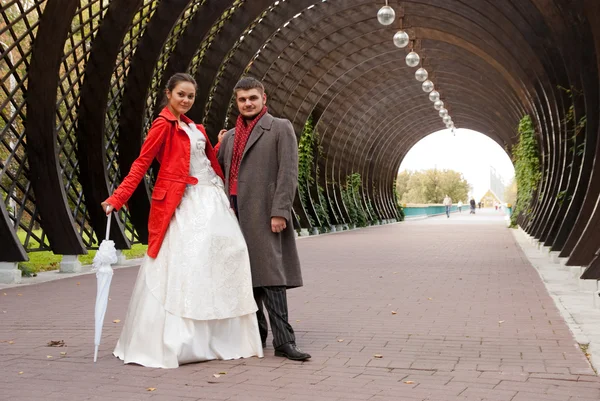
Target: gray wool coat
267, 183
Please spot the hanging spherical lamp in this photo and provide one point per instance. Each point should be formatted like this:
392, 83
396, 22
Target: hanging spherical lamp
412, 59
401, 39
443, 112
427, 86
438, 104
386, 15
434, 96
447, 119
421, 74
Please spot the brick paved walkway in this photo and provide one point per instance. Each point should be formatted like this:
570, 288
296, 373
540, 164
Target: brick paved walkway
451, 306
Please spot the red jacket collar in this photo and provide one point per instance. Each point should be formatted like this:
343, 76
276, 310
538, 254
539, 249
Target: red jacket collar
166, 113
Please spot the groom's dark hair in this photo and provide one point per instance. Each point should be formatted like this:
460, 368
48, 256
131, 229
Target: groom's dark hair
248, 83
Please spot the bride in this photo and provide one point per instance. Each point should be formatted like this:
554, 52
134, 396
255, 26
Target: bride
192, 300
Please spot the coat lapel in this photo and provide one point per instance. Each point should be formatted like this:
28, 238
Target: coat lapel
263, 125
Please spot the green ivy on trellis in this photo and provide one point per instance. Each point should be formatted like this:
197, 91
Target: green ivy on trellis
307, 148
399, 207
350, 197
574, 128
526, 157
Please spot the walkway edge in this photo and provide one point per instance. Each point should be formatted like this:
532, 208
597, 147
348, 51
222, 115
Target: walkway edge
52, 275
575, 306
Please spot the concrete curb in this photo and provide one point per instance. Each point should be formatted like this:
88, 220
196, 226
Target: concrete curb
52, 275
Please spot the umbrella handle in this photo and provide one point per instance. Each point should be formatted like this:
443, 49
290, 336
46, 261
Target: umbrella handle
108, 223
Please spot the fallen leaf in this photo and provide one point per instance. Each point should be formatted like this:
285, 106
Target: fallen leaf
49, 356
21, 373
78, 283
409, 382
63, 353
217, 375
395, 272
378, 356
56, 343
222, 373
430, 299
297, 320
117, 321
394, 312
11, 342
500, 321
341, 340
151, 389
19, 295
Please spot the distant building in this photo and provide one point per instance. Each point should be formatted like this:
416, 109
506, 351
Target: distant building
497, 185
489, 199
494, 190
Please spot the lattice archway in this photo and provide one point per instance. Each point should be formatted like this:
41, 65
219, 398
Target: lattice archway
81, 81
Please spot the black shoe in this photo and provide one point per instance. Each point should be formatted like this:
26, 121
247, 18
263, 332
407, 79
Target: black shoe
291, 351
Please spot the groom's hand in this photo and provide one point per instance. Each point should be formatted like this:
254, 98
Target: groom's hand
278, 224
221, 135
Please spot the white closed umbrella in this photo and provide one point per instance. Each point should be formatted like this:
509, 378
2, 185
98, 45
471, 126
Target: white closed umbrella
106, 255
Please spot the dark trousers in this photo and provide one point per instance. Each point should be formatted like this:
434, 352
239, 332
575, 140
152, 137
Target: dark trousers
275, 301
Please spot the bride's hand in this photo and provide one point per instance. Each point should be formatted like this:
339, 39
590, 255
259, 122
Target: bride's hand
107, 207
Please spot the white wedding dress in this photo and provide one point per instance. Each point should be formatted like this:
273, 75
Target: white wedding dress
194, 302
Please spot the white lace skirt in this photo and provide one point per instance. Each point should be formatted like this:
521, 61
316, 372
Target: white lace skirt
194, 301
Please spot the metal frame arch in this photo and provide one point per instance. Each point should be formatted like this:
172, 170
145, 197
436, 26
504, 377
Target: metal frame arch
92, 111
195, 32
133, 106
237, 64
46, 178
227, 37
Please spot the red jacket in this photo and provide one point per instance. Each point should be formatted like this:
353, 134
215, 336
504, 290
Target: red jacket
169, 144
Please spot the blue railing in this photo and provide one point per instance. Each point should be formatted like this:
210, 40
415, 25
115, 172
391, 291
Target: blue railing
414, 211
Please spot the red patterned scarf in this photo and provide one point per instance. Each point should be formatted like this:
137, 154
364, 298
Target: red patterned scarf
243, 129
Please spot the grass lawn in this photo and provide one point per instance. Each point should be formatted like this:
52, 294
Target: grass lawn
47, 260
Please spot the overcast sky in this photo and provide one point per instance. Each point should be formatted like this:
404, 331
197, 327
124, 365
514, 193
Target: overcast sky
469, 152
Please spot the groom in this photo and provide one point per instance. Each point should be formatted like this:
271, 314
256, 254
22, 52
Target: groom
260, 161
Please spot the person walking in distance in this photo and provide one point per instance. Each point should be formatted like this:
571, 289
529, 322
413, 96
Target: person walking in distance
448, 204
472, 204
260, 160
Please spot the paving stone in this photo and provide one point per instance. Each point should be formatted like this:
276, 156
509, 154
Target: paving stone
473, 321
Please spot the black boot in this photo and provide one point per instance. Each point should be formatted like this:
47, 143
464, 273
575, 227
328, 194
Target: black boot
291, 351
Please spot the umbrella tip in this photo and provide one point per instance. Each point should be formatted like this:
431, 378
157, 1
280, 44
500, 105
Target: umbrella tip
95, 353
